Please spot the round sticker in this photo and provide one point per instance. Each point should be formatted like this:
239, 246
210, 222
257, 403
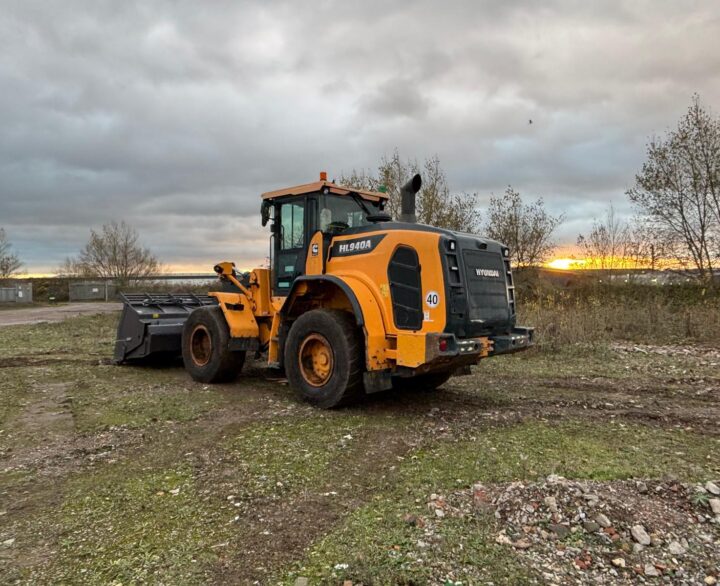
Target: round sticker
432, 299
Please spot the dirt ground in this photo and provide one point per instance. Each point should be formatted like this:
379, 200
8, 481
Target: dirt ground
10, 316
121, 475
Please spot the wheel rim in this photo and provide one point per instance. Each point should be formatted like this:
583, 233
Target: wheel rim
200, 345
316, 360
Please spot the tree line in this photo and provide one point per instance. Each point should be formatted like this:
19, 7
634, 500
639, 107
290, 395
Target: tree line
676, 197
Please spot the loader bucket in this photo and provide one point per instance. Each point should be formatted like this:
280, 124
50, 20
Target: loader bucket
151, 325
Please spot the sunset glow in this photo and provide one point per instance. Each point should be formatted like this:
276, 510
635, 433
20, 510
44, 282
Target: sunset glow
566, 264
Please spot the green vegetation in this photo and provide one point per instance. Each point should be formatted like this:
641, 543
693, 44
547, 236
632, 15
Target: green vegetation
119, 526
285, 456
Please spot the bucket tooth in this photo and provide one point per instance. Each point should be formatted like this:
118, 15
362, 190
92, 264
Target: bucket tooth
151, 325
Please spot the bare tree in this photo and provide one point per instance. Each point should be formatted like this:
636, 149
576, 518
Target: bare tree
526, 228
10, 263
677, 191
608, 245
436, 206
113, 253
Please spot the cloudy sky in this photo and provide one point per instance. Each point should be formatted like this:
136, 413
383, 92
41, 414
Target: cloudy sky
176, 115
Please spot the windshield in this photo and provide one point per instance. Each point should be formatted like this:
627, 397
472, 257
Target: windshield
344, 211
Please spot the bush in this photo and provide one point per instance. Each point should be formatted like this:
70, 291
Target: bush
592, 313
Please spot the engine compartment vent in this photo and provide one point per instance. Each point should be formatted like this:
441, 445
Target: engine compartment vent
406, 288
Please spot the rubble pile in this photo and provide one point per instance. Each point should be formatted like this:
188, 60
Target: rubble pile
577, 532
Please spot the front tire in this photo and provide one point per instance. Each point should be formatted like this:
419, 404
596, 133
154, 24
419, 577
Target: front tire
324, 358
205, 350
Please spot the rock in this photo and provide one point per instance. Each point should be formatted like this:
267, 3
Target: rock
592, 499
637, 548
651, 570
410, 519
642, 489
562, 531
710, 580
551, 503
602, 520
675, 548
640, 535
503, 539
715, 506
8, 542
618, 562
712, 488
439, 513
480, 497
522, 544
301, 581
591, 526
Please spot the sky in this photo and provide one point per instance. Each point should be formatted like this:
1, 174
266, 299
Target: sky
175, 115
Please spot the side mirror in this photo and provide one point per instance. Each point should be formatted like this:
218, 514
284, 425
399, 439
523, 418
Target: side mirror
265, 212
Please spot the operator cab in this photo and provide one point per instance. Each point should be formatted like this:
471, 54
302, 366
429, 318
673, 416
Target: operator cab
297, 213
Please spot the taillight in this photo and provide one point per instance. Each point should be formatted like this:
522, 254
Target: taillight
443, 345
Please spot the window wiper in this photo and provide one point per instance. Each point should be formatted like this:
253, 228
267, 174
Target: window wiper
359, 200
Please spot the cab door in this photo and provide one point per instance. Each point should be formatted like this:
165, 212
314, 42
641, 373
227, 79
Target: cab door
290, 246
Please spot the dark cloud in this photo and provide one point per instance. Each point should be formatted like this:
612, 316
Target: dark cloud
393, 98
176, 115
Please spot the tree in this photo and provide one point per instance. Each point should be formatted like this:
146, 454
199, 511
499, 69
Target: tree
677, 192
526, 228
645, 248
113, 253
436, 206
10, 262
609, 244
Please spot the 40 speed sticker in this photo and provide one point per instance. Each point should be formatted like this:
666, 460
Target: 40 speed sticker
432, 299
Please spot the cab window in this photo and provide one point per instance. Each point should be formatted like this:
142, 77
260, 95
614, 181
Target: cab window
292, 222
340, 212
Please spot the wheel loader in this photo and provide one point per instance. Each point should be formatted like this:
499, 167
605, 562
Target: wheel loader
352, 303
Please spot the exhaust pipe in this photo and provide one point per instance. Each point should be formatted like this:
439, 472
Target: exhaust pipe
407, 199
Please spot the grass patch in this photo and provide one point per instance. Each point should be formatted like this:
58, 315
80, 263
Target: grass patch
108, 396
291, 455
534, 449
127, 527
86, 335
599, 360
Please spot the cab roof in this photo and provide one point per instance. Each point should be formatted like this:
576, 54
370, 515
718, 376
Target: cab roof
374, 196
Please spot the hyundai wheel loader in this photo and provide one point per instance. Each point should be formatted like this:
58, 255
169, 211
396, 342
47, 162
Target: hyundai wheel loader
352, 303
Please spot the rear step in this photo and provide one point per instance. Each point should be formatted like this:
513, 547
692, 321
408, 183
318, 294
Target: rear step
152, 324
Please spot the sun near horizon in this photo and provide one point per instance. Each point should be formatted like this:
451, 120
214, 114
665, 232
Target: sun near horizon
566, 264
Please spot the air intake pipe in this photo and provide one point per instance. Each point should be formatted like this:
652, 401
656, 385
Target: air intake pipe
407, 199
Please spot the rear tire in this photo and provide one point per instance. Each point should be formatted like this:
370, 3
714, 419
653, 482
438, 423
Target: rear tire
205, 351
325, 358
422, 382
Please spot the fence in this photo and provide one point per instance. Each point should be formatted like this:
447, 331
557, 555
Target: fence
92, 291
19, 293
